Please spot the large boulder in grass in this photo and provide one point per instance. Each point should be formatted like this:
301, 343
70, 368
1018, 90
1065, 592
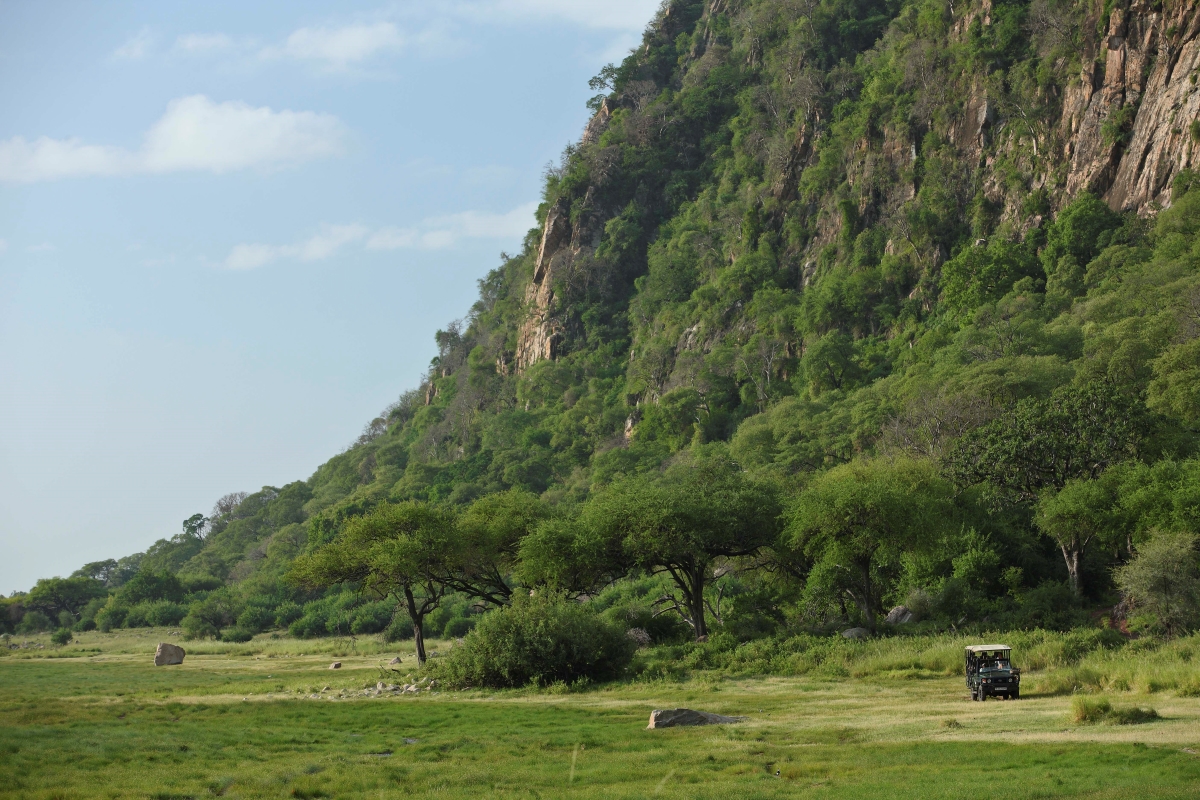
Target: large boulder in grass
900, 615
168, 654
856, 633
680, 717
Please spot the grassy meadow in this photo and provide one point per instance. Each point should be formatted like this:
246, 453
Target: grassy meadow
890, 717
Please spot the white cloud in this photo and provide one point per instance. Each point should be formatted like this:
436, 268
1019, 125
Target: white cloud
475, 224
434, 233
340, 46
627, 15
323, 245
203, 42
194, 134
135, 47
392, 239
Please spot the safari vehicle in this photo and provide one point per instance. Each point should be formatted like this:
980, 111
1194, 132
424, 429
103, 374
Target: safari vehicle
990, 672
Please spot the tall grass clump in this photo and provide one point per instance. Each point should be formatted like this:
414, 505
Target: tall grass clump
1090, 711
538, 640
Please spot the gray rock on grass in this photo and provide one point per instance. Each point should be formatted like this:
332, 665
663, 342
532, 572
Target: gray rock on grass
680, 717
167, 654
900, 615
336, 665
856, 633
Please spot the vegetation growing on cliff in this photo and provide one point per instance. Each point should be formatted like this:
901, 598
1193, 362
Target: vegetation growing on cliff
827, 245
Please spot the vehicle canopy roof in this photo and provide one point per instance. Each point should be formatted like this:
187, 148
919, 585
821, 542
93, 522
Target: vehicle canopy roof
988, 648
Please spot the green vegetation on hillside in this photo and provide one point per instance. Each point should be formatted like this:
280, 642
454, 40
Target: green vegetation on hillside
816, 352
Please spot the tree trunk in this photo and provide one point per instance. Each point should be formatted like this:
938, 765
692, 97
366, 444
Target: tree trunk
418, 621
1072, 554
868, 599
696, 598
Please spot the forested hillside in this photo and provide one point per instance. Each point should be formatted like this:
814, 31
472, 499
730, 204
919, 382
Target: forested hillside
836, 305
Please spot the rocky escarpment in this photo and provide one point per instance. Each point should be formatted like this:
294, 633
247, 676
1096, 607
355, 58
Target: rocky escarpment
1129, 121
539, 333
1122, 127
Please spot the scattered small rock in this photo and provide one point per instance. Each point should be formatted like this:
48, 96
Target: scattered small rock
336, 665
856, 633
679, 717
411, 741
168, 654
394, 661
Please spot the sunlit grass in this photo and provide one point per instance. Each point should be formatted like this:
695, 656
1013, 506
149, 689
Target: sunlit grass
269, 719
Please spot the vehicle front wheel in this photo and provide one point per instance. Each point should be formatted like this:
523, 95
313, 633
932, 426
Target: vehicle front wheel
1016, 695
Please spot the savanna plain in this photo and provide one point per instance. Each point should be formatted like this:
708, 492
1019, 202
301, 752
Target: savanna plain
884, 718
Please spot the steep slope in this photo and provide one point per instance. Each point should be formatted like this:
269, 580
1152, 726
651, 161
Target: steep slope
810, 228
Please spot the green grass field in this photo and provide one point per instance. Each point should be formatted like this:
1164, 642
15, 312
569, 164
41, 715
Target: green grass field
97, 719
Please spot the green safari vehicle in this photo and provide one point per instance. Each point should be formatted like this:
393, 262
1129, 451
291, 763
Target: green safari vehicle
990, 672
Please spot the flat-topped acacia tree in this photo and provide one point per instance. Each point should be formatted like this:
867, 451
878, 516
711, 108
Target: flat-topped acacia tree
699, 510
401, 551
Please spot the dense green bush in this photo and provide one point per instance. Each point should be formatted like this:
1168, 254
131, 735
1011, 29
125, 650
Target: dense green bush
287, 612
371, 618
539, 640
34, 622
154, 613
256, 618
401, 629
236, 634
61, 636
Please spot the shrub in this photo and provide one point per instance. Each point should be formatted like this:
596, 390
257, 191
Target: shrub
236, 634
61, 636
255, 618
155, 613
1051, 606
34, 622
196, 627
540, 640
458, 627
1165, 580
287, 613
371, 618
311, 624
112, 615
1087, 711
401, 629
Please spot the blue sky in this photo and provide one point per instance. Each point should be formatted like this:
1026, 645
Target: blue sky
229, 232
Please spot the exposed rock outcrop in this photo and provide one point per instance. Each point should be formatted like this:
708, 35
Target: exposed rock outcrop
168, 654
1127, 123
680, 717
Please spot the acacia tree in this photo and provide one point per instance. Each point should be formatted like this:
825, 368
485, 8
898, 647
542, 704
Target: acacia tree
1082, 512
401, 551
489, 536
700, 510
56, 595
1078, 432
1034, 451
857, 520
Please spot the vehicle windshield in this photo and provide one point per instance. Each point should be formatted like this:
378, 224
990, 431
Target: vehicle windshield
997, 663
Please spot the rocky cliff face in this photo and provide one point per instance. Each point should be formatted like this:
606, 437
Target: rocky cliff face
1122, 129
1128, 121
538, 335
